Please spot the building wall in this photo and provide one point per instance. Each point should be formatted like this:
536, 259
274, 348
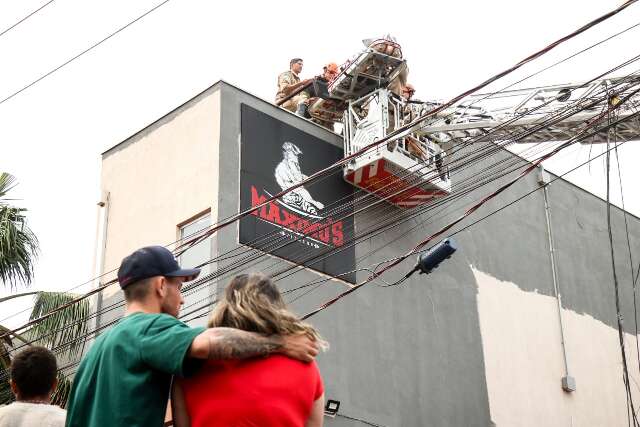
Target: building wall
524, 361
476, 343
411, 356
157, 179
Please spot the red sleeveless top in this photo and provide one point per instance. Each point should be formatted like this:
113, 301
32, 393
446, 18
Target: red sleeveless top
275, 391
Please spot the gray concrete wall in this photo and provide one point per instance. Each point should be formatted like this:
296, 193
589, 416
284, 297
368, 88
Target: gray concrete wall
407, 356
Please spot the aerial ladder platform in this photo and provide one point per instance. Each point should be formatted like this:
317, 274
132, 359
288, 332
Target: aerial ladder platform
413, 169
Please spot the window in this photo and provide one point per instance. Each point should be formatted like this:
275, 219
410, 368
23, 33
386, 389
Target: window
201, 252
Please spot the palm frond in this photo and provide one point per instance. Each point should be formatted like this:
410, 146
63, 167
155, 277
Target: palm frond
7, 182
18, 245
60, 397
66, 329
6, 395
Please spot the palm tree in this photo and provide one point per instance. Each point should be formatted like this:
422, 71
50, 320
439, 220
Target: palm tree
18, 245
64, 332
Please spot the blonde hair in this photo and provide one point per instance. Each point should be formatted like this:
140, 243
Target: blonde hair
253, 303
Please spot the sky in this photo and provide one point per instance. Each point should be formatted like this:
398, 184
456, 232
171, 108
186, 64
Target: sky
52, 133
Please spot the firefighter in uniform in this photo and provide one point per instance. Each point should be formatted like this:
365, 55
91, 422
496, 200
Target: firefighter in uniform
412, 111
288, 83
329, 72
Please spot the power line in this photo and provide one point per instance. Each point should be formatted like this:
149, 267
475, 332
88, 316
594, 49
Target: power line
454, 233
196, 240
99, 289
469, 211
93, 46
625, 369
405, 130
587, 162
36, 320
584, 28
6, 30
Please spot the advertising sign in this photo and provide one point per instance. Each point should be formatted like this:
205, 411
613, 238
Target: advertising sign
311, 225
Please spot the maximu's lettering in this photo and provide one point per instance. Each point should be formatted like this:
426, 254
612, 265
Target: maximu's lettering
325, 230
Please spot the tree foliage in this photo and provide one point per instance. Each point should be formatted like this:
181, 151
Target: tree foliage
64, 333
18, 245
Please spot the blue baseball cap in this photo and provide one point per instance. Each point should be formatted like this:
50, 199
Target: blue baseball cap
152, 261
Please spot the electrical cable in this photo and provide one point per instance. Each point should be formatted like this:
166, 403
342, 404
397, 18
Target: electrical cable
329, 279
582, 29
112, 281
626, 229
11, 27
405, 130
587, 162
466, 213
369, 423
625, 370
93, 46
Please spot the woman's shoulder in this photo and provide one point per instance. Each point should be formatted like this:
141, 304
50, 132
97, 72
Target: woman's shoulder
276, 364
284, 362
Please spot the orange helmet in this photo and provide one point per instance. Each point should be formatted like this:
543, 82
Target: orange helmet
332, 67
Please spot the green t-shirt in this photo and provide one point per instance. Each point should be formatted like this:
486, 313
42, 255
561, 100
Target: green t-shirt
125, 377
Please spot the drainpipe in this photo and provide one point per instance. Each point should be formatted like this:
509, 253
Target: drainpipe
568, 382
101, 250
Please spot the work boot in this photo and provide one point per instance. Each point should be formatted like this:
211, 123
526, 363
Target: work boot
303, 111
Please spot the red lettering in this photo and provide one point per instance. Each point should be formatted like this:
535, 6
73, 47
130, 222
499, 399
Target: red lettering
324, 233
257, 200
338, 237
289, 219
302, 225
313, 230
274, 213
327, 232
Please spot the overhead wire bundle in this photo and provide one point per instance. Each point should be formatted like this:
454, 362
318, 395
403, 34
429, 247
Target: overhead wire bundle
364, 201
114, 305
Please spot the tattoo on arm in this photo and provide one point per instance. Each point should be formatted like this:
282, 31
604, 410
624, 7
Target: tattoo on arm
228, 343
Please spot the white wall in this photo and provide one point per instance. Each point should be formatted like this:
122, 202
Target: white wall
160, 178
524, 363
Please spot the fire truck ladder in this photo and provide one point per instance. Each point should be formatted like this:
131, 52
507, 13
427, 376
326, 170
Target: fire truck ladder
517, 112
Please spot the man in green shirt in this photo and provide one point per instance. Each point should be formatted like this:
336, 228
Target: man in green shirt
124, 379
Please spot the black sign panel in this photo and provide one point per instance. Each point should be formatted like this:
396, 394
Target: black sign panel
307, 225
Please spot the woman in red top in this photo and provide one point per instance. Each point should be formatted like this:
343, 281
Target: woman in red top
266, 392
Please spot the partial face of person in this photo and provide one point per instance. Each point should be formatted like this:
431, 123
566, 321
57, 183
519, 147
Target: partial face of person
297, 67
172, 296
329, 74
407, 92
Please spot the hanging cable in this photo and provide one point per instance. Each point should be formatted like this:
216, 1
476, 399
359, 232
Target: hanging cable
625, 369
93, 291
93, 46
405, 130
11, 27
467, 213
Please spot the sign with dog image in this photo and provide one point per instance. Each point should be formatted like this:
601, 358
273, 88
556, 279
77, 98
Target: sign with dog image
310, 225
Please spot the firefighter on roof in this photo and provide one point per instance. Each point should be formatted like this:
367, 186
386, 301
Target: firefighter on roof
321, 110
288, 83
